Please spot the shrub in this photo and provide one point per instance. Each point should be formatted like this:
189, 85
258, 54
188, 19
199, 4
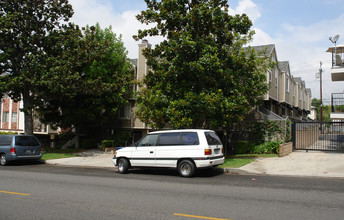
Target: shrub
107, 143
288, 131
266, 131
5, 132
121, 138
242, 147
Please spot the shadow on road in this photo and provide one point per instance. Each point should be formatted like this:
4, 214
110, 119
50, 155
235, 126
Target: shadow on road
203, 173
25, 162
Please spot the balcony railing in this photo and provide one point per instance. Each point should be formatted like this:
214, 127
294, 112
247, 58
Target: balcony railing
337, 102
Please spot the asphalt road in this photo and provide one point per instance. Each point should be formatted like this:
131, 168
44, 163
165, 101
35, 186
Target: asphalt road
52, 192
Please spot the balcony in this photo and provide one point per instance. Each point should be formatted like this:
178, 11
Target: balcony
337, 106
337, 70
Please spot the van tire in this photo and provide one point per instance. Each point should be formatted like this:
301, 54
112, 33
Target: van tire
123, 166
3, 160
186, 168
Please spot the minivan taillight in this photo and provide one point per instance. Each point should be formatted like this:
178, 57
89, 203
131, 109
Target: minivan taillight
207, 152
41, 150
13, 150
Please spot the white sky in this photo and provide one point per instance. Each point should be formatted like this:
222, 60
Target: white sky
299, 29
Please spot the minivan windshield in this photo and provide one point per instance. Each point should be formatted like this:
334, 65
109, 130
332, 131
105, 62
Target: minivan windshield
148, 140
212, 138
26, 141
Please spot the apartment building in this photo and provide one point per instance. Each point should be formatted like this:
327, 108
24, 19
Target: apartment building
12, 119
337, 75
287, 95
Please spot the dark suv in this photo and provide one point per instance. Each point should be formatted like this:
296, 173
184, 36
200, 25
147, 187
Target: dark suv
19, 147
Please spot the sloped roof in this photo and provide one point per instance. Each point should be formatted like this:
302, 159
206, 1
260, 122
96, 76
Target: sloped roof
269, 48
309, 91
283, 65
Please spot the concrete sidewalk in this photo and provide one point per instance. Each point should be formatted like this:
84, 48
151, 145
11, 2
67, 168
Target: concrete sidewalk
98, 159
299, 163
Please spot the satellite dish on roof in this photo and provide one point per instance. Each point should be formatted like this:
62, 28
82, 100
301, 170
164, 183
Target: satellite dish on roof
334, 39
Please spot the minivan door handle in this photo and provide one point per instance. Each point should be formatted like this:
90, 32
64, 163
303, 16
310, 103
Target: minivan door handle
151, 152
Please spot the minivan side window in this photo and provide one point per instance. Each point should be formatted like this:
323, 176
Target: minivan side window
148, 140
190, 138
5, 140
212, 138
167, 139
26, 141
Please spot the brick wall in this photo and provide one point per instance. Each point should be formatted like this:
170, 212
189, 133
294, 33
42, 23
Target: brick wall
14, 125
6, 103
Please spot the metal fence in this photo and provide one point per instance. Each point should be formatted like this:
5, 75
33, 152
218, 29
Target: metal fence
326, 136
337, 100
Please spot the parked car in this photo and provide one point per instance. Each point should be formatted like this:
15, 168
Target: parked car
186, 150
19, 147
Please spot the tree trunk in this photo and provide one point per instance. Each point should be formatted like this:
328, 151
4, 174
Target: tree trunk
28, 114
77, 137
77, 141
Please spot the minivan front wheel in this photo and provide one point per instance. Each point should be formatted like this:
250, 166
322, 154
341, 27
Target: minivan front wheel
3, 160
186, 168
123, 165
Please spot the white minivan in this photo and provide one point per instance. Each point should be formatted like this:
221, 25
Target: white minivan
186, 150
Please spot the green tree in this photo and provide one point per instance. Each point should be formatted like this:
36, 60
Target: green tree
200, 75
89, 79
326, 110
25, 27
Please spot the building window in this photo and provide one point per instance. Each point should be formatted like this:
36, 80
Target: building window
14, 117
287, 84
5, 116
124, 112
276, 77
270, 75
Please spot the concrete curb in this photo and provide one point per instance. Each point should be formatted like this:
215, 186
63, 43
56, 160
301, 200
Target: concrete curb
238, 171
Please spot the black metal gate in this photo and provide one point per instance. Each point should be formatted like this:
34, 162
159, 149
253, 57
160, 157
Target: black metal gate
326, 136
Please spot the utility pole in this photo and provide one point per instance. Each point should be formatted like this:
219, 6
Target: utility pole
321, 103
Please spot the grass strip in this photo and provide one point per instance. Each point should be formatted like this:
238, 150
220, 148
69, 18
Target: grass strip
51, 156
239, 160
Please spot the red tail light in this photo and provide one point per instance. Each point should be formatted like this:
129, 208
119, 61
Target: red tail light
207, 152
13, 150
40, 150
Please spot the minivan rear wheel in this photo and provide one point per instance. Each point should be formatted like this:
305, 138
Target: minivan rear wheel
3, 160
123, 165
186, 168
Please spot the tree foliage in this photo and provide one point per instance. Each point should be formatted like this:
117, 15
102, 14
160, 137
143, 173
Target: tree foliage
326, 110
25, 29
200, 75
88, 81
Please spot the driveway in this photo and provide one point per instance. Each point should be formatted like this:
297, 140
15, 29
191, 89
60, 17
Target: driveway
300, 163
